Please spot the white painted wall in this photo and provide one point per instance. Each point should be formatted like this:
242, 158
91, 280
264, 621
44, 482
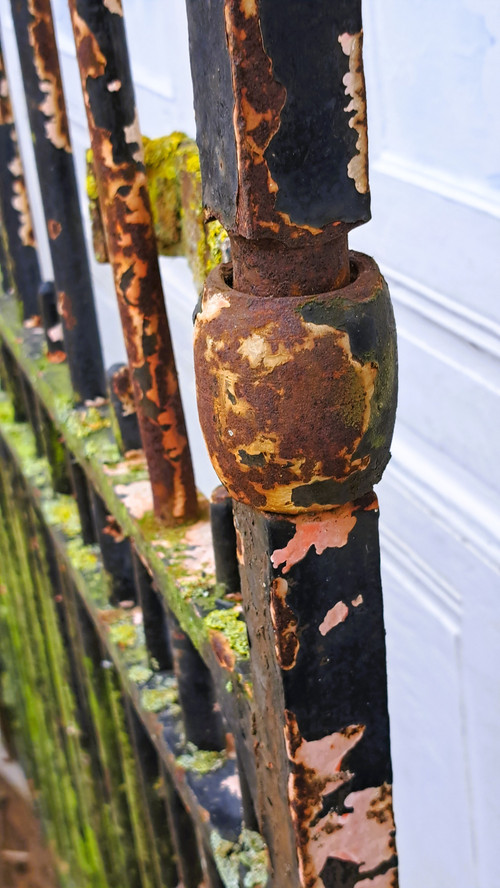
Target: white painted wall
433, 80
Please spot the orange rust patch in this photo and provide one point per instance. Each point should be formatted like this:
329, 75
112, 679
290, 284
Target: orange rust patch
285, 623
256, 357
32, 322
327, 530
43, 42
387, 880
95, 62
54, 228
122, 387
363, 835
222, 650
336, 615
20, 200
57, 357
6, 114
113, 529
114, 6
65, 310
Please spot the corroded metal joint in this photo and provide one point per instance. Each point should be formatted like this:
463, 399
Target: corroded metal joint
297, 394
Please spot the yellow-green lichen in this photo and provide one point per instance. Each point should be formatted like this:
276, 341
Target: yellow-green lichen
248, 853
161, 171
156, 699
91, 181
140, 674
233, 628
62, 512
124, 635
216, 236
201, 761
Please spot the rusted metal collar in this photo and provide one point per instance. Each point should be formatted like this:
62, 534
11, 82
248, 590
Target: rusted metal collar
297, 395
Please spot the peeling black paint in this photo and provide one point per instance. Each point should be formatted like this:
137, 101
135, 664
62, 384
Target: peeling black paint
214, 107
339, 679
309, 154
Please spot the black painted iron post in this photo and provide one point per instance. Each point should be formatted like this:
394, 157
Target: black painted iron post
15, 208
54, 159
295, 355
124, 201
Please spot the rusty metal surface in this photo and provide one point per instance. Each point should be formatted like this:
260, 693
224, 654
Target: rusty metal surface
285, 156
313, 607
297, 396
15, 208
295, 356
49, 126
124, 202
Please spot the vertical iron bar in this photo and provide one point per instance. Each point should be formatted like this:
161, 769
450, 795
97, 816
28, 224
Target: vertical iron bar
116, 552
295, 357
122, 403
119, 168
154, 617
183, 837
202, 719
54, 159
224, 541
15, 208
47, 306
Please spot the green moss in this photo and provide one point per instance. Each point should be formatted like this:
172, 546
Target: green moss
232, 627
248, 853
201, 761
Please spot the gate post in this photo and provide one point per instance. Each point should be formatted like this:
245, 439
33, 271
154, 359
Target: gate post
295, 355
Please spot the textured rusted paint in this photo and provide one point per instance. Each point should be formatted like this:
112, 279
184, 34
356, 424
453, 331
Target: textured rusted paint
124, 202
15, 208
283, 170
344, 843
295, 357
47, 304
297, 395
315, 622
123, 405
285, 624
49, 126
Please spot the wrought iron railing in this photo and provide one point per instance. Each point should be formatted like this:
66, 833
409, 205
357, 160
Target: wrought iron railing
200, 688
